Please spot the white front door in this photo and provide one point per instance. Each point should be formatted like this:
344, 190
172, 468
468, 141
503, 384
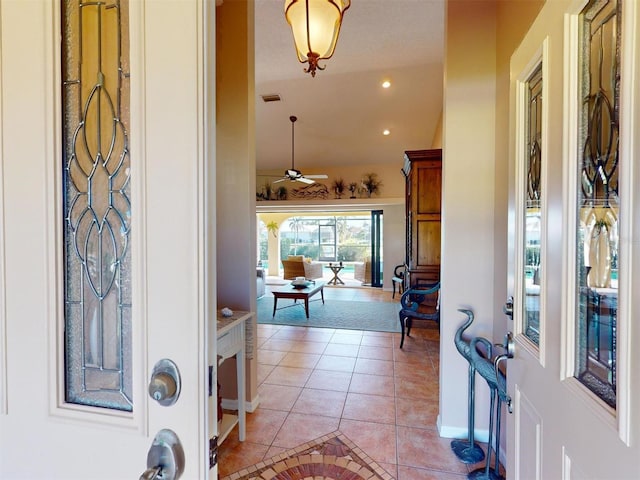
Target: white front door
575, 394
161, 278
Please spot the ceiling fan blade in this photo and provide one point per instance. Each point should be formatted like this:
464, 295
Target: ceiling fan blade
281, 180
317, 176
305, 180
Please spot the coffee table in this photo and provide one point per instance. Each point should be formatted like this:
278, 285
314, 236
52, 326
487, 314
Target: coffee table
289, 291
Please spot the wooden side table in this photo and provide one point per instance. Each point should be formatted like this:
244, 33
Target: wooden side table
336, 279
230, 341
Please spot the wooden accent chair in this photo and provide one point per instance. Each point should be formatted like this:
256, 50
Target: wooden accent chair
420, 302
398, 279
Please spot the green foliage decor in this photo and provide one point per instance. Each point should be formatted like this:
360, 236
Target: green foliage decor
371, 184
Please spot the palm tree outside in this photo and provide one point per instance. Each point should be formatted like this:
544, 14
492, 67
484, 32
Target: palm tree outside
296, 225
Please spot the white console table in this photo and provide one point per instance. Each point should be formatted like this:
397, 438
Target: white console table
230, 341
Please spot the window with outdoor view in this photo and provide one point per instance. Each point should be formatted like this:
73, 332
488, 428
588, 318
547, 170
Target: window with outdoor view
598, 205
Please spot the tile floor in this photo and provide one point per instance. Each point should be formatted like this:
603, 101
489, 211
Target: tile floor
313, 381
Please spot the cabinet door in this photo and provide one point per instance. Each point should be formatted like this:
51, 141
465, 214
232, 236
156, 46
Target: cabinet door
425, 209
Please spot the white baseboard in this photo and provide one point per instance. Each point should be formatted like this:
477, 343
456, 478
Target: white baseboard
447, 431
232, 404
480, 436
253, 404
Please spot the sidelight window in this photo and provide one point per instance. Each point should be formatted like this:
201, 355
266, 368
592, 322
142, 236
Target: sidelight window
532, 224
598, 202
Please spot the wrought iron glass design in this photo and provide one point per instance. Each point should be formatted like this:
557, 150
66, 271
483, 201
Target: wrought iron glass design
97, 207
597, 200
532, 211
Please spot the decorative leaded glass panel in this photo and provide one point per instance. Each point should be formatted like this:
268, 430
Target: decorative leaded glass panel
598, 202
532, 213
97, 208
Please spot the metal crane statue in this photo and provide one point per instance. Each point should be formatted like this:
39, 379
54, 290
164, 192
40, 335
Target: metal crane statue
503, 396
468, 451
502, 381
488, 369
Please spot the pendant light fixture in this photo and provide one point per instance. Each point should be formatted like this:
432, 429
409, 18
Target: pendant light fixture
315, 25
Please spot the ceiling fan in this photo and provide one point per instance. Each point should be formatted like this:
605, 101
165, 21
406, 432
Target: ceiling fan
292, 174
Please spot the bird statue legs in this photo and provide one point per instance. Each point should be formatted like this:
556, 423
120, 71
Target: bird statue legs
486, 473
468, 451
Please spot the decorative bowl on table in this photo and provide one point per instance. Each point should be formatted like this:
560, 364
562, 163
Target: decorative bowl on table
299, 282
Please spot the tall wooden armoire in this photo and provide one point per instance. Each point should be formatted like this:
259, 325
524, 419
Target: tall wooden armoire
423, 172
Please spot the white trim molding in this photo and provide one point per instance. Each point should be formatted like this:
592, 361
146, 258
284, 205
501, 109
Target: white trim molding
59, 408
3, 312
540, 59
628, 273
629, 244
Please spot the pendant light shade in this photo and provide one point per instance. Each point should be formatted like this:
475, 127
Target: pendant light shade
315, 25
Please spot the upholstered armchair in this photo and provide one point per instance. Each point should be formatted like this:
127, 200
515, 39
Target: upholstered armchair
312, 270
362, 271
298, 266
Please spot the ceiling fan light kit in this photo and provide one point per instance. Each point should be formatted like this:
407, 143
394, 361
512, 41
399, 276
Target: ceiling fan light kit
315, 25
292, 174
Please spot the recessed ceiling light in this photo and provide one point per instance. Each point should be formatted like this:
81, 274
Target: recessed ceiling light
386, 84
386, 132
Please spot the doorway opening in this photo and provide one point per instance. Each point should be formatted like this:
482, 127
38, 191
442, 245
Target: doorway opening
352, 240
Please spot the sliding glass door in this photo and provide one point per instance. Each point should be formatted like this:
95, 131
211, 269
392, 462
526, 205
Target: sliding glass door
376, 248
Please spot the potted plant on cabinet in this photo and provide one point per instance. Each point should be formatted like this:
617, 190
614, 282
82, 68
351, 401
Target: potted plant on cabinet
338, 187
371, 184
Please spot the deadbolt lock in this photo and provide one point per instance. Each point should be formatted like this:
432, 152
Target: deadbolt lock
164, 386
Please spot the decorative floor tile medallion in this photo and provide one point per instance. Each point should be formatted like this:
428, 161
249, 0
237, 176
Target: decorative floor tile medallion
331, 457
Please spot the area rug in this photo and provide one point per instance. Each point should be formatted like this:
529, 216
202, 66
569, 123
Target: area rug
374, 316
331, 457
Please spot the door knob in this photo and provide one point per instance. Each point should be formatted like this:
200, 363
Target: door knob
502, 381
164, 386
509, 345
165, 460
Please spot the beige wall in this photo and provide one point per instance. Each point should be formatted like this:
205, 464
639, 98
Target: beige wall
437, 136
479, 39
467, 269
235, 131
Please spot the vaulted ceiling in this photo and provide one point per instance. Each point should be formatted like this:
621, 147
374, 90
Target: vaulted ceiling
343, 111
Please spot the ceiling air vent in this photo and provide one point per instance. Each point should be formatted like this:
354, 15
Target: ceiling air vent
272, 97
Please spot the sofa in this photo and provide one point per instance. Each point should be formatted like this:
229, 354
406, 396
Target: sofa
261, 276
299, 266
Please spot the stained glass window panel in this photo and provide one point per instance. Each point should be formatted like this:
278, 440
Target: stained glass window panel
97, 208
532, 209
598, 200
